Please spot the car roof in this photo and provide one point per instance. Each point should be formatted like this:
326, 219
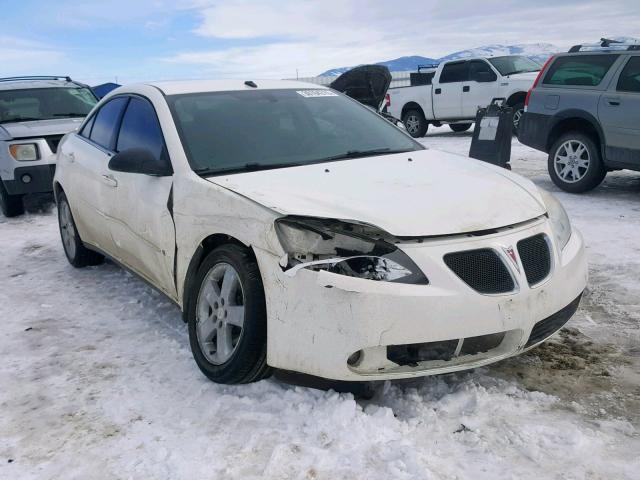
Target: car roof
27, 83
198, 86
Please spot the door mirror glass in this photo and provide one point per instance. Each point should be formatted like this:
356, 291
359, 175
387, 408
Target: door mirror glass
142, 161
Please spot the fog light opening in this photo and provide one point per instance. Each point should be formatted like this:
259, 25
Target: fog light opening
26, 178
355, 358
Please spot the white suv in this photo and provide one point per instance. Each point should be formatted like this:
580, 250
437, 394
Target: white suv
296, 229
35, 112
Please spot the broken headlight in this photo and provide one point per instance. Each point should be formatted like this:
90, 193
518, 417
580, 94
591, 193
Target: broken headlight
352, 249
558, 217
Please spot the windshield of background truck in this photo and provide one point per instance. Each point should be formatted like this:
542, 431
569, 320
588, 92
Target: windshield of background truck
32, 104
513, 64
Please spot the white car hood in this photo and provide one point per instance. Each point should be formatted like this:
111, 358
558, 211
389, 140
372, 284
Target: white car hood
527, 77
435, 193
38, 128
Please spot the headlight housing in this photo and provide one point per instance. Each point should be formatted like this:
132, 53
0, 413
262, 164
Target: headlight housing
559, 219
345, 248
24, 152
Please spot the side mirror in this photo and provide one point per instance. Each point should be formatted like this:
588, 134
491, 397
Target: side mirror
142, 161
485, 77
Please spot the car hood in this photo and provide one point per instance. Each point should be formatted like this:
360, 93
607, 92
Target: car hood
524, 77
368, 84
422, 193
56, 126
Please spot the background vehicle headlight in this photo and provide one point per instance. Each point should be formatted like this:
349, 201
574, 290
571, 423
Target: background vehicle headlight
24, 152
559, 219
351, 249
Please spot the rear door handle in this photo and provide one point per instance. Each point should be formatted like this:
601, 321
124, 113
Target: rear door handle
614, 102
466, 88
109, 180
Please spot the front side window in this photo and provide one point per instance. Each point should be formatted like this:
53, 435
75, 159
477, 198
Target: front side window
106, 123
455, 72
629, 80
259, 129
479, 70
140, 128
579, 70
513, 64
31, 104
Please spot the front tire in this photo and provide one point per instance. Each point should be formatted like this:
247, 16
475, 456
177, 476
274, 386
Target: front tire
78, 255
11, 205
227, 317
460, 127
518, 111
575, 163
415, 123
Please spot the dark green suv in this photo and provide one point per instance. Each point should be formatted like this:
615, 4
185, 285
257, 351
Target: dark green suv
584, 110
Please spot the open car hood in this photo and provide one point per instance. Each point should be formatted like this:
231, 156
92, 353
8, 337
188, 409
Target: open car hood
39, 128
368, 84
435, 193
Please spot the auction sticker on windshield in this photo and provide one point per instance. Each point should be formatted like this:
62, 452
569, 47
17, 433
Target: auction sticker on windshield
316, 93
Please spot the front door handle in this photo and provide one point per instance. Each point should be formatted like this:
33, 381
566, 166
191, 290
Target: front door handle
614, 102
109, 180
466, 88
438, 91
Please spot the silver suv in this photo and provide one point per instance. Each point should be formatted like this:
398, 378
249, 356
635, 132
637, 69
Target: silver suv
584, 110
35, 113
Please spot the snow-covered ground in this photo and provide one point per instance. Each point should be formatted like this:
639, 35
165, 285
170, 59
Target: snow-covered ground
97, 381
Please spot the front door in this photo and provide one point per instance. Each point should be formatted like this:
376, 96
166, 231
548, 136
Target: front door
619, 112
481, 88
447, 92
142, 228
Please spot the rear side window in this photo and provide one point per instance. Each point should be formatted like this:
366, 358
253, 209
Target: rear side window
106, 122
630, 77
455, 72
86, 130
140, 128
579, 70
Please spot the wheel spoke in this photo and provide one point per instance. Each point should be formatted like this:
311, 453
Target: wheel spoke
224, 342
235, 316
228, 284
207, 328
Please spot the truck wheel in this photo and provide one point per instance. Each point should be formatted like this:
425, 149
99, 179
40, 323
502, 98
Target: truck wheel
11, 205
460, 127
415, 123
575, 163
78, 255
227, 317
518, 111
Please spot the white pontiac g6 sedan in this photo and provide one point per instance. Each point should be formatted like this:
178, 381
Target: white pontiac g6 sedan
298, 230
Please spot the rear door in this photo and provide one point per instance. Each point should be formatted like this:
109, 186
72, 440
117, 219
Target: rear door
92, 193
142, 227
447, 91
481, 88
619, 112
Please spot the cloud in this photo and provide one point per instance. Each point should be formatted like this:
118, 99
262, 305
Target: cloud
18, 56
314, 36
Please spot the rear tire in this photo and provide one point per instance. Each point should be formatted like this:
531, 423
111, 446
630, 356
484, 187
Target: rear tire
11, 205
228, 348
460, 127
575, 163
415, 123
78, 255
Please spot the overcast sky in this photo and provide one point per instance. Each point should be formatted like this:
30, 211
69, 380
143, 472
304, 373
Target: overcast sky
136, 40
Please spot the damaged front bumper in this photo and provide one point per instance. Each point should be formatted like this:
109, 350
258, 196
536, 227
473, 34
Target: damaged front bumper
346, 328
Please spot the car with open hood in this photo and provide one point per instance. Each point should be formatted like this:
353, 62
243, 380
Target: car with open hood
35, 112
298, 230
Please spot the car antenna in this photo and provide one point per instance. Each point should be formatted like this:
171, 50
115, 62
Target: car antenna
251, 83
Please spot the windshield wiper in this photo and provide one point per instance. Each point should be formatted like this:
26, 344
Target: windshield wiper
20, 119
70, 114
363, 153
247, 167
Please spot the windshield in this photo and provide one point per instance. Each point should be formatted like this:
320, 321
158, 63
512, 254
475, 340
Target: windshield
224, 132
514, 64
45, 103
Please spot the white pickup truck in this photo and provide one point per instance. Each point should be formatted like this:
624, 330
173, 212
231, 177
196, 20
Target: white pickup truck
453, 93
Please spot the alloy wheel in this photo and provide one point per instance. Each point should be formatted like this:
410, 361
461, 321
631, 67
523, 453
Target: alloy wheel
571, 161
412, 123
220, 313
67, 229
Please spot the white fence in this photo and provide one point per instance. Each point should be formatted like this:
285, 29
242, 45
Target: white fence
398, 79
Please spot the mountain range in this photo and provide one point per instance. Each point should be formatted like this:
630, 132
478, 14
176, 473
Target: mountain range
539, 52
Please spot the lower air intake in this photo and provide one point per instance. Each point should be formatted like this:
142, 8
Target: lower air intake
550, 325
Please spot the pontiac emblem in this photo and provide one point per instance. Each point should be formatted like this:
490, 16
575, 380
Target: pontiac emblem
511, 253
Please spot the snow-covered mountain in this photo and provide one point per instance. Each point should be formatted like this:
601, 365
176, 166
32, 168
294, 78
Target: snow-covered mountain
539, 52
